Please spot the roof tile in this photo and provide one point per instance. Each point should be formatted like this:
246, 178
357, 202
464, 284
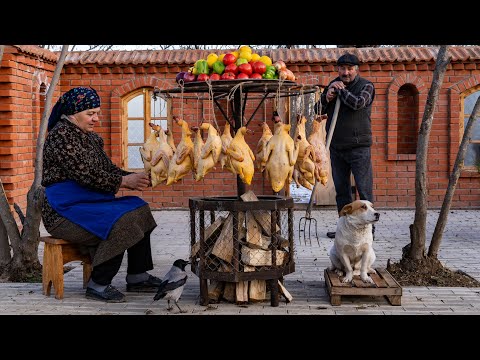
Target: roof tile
326, 56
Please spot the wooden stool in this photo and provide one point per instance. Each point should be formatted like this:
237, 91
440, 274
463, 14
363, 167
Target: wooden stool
56, 253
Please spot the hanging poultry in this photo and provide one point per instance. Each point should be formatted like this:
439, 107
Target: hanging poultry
261, 145
197, 147
148, 148
210, 152
170, 141
161, 158
226, 140
182, 161
305, 163
241, 157
281, 154
317, 140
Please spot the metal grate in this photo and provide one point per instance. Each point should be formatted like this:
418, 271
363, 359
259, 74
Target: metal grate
234, 240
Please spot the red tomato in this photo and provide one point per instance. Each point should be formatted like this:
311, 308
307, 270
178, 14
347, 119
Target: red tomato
245, 69
215, 76
203, 77
255, 76
229, 59
243, 76
233, 68
228, 76
259, 67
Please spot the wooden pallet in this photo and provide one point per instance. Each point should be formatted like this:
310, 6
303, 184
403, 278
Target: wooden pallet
384, 285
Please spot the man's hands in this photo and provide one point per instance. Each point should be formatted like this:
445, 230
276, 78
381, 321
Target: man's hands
333, 89
135, 181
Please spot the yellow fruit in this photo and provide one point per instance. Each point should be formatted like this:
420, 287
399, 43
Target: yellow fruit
255, 57
266, 60
236, 54
245, 48
246, 55
211, 58
220, 58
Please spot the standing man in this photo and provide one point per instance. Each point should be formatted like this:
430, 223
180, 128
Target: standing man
350, 147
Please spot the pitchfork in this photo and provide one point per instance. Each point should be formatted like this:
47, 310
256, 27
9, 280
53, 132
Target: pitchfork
308, 214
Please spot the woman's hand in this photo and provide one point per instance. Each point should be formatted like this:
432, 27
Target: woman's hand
135, 181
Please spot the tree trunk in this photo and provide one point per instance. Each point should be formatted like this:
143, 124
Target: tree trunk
25, 247
452, 183
418, 229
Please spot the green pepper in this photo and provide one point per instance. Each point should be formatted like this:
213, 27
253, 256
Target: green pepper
202, 66
269, 74
218, 67
271, 68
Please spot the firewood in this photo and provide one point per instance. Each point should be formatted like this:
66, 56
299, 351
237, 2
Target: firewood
258, 257
282, 242
215, 290
241, 292
214, 228
257, 290
229, 292
223, 247
254, 236
210, 234
284, 292
262, 216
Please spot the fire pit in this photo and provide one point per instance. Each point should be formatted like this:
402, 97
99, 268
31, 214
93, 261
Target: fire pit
243, 246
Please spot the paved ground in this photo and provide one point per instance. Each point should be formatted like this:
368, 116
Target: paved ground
460, 250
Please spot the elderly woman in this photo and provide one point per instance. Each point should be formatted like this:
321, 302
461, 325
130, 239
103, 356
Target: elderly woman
80, 205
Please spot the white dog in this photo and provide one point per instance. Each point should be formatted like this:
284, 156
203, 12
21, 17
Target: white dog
352, 249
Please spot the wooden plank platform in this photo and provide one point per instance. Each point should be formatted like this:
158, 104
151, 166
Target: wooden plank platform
384, 285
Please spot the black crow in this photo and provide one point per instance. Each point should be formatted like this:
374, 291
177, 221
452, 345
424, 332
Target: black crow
173, 282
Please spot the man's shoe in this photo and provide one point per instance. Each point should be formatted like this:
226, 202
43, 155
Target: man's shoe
149, 286
331, 234
110, 294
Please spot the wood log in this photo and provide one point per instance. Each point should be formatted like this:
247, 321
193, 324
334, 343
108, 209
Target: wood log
257, 290
210, 235
284, 292
263, 217
282, 242
223, 247
229, 288
215, 290
241, 292
258, 257
254, 237
229, 292
214, 229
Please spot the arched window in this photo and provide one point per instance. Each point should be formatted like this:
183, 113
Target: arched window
407, 130
472, 157
141, 108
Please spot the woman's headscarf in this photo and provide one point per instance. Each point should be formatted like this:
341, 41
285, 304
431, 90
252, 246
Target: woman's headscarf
73, 101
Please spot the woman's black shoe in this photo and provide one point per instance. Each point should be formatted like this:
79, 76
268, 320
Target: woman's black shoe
110, 294
149, 286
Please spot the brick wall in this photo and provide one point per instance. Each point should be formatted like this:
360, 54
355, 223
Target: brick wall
394, 172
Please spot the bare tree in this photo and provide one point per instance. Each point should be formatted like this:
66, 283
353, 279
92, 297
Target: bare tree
418, 228
452, 183
24, 263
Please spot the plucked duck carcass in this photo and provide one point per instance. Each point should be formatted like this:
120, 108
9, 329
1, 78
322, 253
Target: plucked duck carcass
281, 154
210, 152
241, 157
182, 161
161, 158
